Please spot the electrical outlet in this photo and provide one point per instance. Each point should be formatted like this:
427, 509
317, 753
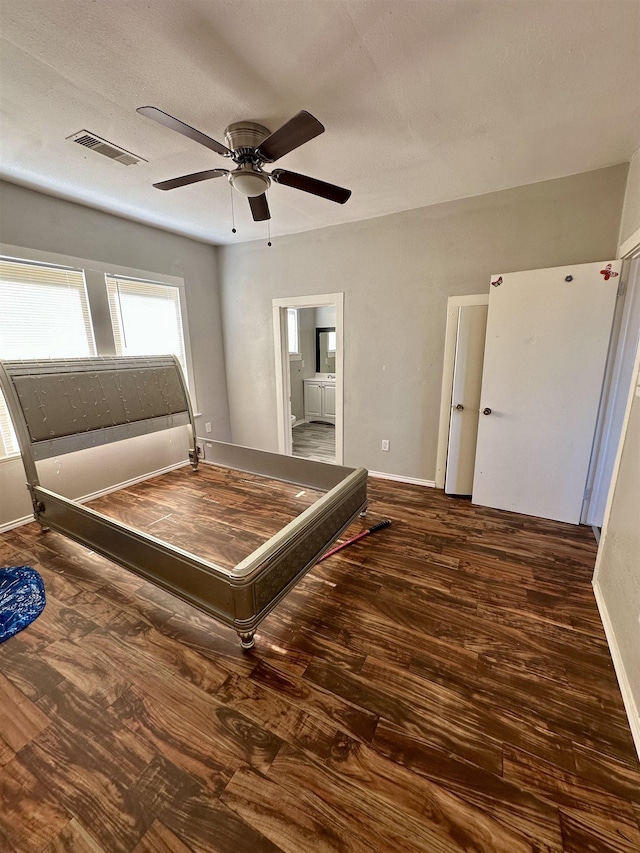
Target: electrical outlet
385, 443
199, 451
207, 426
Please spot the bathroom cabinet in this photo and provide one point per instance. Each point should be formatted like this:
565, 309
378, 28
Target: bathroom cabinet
320, 400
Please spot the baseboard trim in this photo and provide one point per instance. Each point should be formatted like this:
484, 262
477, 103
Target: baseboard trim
18, 522
412, 481
132, 482
632, 711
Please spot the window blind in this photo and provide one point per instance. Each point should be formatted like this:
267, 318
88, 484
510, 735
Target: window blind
146, 318
44, 313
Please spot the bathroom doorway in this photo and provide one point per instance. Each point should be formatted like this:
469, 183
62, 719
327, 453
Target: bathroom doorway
308, 339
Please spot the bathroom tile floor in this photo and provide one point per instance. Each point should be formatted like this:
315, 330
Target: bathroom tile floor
315, 441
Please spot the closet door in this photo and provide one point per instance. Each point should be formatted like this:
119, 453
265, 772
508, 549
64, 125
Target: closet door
545, 352
465, 399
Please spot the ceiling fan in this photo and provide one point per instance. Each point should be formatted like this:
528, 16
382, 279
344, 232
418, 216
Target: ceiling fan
250, 146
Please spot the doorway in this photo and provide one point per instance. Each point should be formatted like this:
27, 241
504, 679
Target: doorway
308, 344
457, 307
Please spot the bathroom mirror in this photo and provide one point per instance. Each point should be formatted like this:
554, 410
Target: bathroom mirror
326, 349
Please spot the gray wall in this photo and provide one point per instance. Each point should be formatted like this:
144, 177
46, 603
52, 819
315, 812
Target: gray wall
397, 272
35, 221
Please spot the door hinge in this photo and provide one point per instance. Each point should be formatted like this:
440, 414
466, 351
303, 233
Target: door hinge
587, 494
622, 287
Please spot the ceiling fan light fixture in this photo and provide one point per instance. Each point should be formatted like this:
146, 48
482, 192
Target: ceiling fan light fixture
249, 182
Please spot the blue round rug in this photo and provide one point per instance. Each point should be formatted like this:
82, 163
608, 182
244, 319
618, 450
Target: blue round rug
22, 599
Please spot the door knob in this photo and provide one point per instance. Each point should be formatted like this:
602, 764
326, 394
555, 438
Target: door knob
460, 407
486, 411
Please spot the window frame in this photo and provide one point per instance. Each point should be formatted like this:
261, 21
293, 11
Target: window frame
95, 273
294, 355
128, 279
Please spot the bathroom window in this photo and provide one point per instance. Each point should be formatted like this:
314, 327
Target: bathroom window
294, 331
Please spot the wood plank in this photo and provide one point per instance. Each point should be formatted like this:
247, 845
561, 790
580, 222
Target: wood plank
27, 671
295, 822
159, 839
308, 731
580, 803
88, 761
532, 817
20, 719
209, 749
230, 730
584, 835
31, 815
74, 839
448, 732
375, 818
621, 777
356, 720
397, 786
194, 814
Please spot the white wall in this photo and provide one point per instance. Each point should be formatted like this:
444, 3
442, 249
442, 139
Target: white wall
397, 273
35, 221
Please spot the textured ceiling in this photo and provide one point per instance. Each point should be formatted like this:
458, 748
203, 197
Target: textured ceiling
422, 101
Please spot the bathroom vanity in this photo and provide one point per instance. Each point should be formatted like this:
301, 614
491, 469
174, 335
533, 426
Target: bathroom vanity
320, 400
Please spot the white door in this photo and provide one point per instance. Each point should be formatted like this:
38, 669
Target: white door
329, 407
546, 347
312, 399
465, 399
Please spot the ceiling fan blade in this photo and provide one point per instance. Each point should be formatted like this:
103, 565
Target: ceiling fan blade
185, 129
298, 130
184, 180
259, 207
311, 185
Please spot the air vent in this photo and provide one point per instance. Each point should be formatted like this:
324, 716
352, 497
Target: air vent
101, 146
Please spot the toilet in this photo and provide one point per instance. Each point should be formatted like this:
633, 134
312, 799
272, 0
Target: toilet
293, 420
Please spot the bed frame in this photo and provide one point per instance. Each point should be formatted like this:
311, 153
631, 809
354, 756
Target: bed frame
63, 406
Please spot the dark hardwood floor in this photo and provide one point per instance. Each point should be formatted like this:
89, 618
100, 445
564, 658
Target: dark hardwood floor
441, 686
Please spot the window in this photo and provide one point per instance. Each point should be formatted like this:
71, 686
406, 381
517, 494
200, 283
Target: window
294, 332
44, 313
146, 318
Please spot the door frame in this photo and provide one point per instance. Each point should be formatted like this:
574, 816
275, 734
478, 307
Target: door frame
450, 339
283, 374
623, 339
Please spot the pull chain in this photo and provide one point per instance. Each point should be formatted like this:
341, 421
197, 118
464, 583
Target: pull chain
269, 232
233, 216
